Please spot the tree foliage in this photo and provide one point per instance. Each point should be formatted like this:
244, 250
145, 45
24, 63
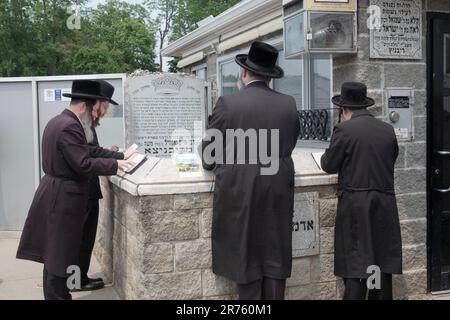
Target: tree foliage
177, 18
116, 36
190, 12
35, 39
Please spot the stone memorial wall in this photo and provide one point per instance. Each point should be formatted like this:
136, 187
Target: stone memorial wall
164, 112
399, 32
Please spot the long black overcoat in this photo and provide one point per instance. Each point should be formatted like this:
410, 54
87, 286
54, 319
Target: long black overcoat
252, 212
54, 225
363, 151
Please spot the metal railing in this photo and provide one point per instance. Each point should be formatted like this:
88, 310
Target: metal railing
315, 124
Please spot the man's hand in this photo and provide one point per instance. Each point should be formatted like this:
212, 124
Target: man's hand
114, 148
128, 153
125, 164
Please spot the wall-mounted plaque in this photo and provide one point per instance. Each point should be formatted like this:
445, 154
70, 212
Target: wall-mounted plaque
332, 1
332, 5
305, 228
400, 30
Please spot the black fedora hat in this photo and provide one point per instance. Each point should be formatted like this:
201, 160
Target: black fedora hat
261, 60
86, 89
353, 95
107, 90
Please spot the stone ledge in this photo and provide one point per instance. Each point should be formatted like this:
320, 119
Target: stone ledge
203, 186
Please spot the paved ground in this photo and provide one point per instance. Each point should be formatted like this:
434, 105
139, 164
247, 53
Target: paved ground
22, 280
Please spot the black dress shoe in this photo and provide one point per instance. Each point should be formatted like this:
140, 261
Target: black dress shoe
90, 285
92, 280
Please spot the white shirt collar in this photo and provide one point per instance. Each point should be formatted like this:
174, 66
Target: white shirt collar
81, 122
254, 81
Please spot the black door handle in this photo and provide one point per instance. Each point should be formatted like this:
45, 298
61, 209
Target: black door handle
442, 152
441, 190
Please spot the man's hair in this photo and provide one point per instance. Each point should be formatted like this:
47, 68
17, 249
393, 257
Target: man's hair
258, 77
353, 108
90, 103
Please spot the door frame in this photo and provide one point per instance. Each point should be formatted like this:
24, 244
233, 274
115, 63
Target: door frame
430, 17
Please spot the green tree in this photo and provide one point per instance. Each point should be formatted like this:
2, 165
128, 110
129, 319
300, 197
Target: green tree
176, 18
52, 39
127, 32
192, 11
35, 38
167, 11
16, 37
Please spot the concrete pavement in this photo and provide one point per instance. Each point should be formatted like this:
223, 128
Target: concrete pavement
22, 280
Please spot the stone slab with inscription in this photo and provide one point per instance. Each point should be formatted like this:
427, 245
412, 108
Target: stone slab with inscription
164, 112
398, 35
305, 228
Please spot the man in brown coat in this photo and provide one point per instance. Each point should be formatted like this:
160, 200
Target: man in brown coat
54, 226
95, 193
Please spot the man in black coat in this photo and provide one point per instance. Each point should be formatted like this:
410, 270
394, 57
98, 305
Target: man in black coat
54, 225
253, 204
363, 151
95, 193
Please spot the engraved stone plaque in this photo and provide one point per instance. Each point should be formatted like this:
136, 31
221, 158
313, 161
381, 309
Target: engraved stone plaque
305, 225
398, 35
164, 113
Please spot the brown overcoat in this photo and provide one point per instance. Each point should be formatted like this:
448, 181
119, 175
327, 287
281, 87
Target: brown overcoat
54, 225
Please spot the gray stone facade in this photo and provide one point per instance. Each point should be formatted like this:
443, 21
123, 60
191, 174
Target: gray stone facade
158, 247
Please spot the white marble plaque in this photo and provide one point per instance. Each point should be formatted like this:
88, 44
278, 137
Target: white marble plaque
305, 225
400, 32
164, 113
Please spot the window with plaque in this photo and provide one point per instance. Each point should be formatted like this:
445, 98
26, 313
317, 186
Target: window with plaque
319, 31
332, 30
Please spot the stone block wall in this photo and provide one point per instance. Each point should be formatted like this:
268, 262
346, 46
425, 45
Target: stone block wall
172, 258
159, 247
410, 172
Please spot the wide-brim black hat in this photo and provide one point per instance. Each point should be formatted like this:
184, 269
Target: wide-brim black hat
261, 60
107, 90
353, 95
86, 89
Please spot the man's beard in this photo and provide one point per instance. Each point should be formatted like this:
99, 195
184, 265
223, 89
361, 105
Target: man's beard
86, 118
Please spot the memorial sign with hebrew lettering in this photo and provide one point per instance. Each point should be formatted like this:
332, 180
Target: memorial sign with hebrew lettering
305, 225
399, 33
164, 112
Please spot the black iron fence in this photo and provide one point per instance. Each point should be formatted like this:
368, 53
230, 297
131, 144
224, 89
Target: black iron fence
316, 124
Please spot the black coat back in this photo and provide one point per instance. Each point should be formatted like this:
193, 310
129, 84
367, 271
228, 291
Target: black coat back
252, 214
363, 151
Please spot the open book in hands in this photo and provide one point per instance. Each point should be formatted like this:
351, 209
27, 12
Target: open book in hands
317, 156
138, 159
